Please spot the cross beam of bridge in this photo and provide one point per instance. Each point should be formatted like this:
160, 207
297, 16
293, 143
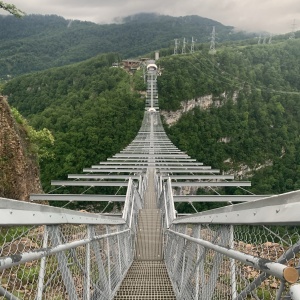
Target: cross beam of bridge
77, 197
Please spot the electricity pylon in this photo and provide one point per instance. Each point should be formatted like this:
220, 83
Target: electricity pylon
193, 45
292, 35
176, 46
259, 39
212, 48
183, 46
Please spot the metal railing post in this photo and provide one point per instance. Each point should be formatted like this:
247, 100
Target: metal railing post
87, 286
42, 267
183, 273
171, 201
103, 278
232, 265
54, 234
127, 202
197, 235
108, 262
140, 184
166, 209
132, 208
119, 254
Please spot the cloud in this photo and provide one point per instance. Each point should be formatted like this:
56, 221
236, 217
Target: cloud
274, 16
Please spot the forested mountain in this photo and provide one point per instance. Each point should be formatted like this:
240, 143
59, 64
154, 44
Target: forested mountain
254, 120
37, 42
91, 109
94, 110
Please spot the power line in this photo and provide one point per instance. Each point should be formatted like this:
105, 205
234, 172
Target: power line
232, 80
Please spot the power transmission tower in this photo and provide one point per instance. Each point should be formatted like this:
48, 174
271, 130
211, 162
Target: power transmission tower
259, 39
292, 36
183, 46
212, 49
193, 46
176, 46
270, 39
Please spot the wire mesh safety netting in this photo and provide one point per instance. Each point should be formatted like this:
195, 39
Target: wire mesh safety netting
199, 272
63, 261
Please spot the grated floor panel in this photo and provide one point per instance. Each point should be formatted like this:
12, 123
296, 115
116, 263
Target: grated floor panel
147, 277
146, 280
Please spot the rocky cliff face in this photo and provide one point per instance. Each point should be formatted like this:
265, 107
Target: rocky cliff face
205, 102
19, 172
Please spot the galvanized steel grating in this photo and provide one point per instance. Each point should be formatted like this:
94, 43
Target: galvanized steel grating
146, 280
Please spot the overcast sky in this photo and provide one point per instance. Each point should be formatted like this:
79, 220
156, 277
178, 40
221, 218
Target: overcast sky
275, 16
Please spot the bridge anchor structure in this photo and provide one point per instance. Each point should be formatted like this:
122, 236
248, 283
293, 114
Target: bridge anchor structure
248, 250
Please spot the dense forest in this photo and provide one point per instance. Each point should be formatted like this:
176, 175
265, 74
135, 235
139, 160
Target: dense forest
92, 110
37, 42
255, 121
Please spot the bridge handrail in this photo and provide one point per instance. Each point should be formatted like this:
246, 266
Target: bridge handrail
127, 200
58, 257
16, 213
10, 261
172, 211
229, 234
30, 233
166, 201
251, 259
283, 209
133, 203
278, 270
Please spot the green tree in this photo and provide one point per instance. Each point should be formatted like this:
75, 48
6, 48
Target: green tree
12, 9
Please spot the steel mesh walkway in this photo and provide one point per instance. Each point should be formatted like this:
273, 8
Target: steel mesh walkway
146, 280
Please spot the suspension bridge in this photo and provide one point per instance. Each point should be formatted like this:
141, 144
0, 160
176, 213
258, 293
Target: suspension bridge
249, 250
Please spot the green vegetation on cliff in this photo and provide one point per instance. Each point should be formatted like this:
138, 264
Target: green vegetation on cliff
90, 108
94, 110
20, 146
255, 118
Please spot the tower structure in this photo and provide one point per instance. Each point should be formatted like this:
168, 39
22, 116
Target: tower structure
176, 46
212, 48
270, 39
292, 35
259, 39
193, 45
183, 46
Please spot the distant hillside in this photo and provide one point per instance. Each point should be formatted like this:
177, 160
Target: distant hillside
92, 110
248, 119
38, 42
250, 128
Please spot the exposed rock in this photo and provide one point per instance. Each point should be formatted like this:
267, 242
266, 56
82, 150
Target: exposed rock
205, 102
244, 171
225, 140
19, 171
